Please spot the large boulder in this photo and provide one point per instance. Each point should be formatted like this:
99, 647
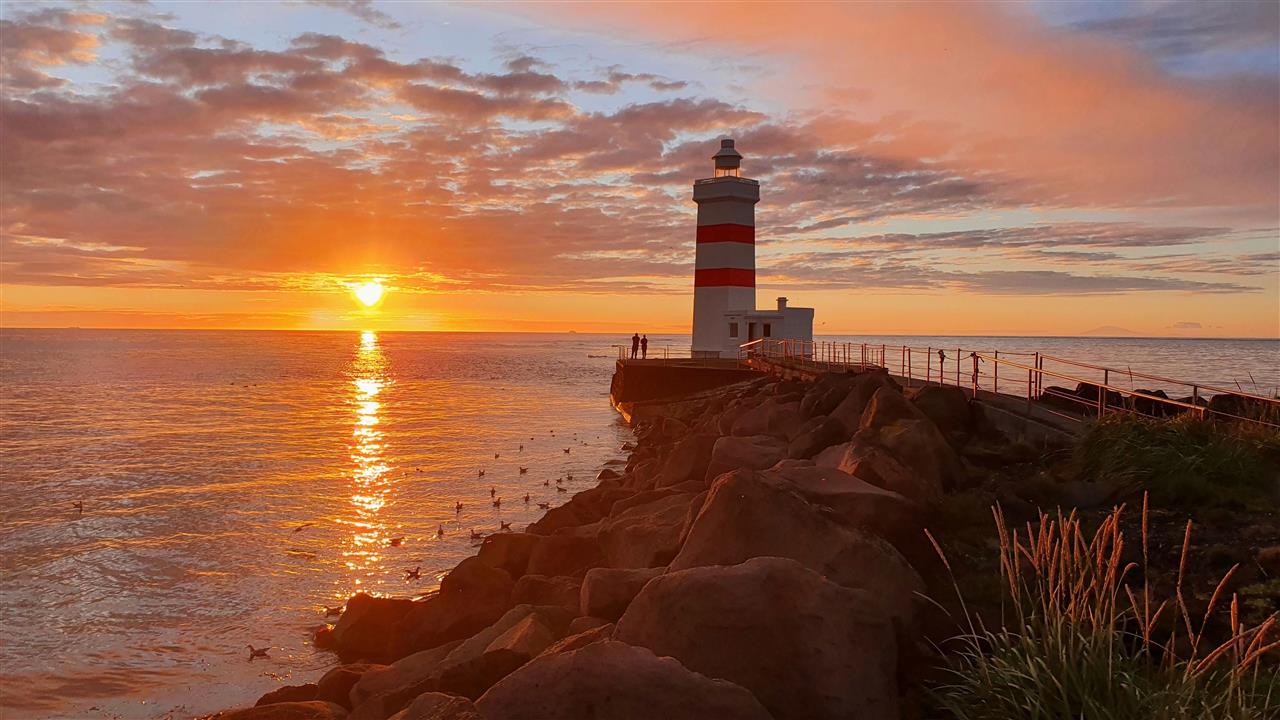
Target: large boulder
368, 625
311, 710
560, 590
335, 685
291, 693
859, 503
645, 535
606, 592
508, 551
824, 432
746, 515
863, 387
899, 427
583, 508
472, 596
947, 407
439, 706
687, 461
614, 681
508, 651
756, 452
881, 468
400, 678
807, 648
774, 416
599, 633
565, 555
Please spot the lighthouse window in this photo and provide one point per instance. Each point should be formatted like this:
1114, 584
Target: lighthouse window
733, 330
728, 172
768, 330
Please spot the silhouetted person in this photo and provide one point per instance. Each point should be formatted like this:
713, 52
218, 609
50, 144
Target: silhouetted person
635, 345
644, 347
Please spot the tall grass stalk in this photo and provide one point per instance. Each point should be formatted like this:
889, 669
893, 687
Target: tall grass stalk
1081, 639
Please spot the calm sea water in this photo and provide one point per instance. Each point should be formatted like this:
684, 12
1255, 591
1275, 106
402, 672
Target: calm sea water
199, 455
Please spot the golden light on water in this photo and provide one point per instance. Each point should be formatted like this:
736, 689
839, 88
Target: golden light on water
371, 482
369, 293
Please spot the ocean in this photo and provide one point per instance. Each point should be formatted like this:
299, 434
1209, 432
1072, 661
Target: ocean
234, 484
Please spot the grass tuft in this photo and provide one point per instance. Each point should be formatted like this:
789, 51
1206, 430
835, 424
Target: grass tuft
1081, 638
1184, 461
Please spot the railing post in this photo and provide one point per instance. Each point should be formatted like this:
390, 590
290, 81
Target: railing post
908, 361
975, 376
1030, 380
1102, 393
957, 367
928, 364
995, 373
1195, 400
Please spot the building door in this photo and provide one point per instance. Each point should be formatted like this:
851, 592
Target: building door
751, 332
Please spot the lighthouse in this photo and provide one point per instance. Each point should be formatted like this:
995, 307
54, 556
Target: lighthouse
724, 276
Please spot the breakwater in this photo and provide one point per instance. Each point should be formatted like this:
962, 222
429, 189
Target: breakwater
754, 558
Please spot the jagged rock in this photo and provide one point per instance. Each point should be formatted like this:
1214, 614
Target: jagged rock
560, 590
687, 461
475, 646
529, 637
335, 685
508, 551
439, 706
947, 407
645, 535
607, 474
859, 503
825, 432
771, 417
472, 596
746, 516
398, 678
648, 496
893, 423
832, 456
290, 693
877, 466
606, 592
565, 555
826, 394
508, 651
807, 648
367, 625
1268, 558
311, 710
583, 508
753, 453
585, 623
861, 390
613, 680
582, 639
644, 475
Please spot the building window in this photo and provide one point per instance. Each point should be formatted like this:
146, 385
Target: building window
728, 172
768, 330
733, 330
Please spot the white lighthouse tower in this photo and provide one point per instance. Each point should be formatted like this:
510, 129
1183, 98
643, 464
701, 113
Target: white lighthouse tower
724, 281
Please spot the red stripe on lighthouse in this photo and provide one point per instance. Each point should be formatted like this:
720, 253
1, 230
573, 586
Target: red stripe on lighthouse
727, 232
724, 277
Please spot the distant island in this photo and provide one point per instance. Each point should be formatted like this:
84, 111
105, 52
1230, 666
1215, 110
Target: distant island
1109, 331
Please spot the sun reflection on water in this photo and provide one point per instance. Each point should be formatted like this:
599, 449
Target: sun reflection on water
371, 482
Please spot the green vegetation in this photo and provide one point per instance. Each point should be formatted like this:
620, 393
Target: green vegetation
1184, 461
1082, 639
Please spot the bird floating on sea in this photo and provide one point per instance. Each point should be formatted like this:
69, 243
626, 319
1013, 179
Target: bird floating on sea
258, 652
333, 611
524, 471
440, 531
414, 574
497, 503
475, 535
302, 527
504, 525
395, 541
566, 451
561, 489
544, 506
457, 508
559, 480
78, 505
481, 473
526, 498
492, 491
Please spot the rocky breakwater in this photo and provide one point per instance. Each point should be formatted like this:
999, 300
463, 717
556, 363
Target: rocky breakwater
752, 560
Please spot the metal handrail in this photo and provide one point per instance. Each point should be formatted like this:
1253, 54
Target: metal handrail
832, 355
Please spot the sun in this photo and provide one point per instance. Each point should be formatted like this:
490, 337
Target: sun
369, 293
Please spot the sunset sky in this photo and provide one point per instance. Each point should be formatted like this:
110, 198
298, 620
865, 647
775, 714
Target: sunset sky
926, 168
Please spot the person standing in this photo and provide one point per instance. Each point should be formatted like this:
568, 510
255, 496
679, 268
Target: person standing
635, 345
644, 347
